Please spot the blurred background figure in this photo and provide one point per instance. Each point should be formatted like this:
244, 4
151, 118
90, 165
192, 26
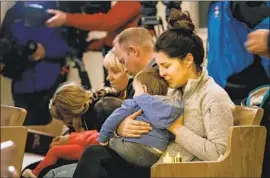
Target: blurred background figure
229, 63
97, 16
32, 55
170, 5
150, 18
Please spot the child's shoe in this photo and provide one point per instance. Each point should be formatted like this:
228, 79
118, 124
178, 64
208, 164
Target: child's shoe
28, 174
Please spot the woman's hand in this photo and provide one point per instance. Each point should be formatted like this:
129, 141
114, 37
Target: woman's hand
130, 127
60, 140
58, 20
176, 125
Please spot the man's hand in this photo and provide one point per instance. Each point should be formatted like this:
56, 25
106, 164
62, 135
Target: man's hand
60, 140
130, 127
39, 53
257, 43
58, 20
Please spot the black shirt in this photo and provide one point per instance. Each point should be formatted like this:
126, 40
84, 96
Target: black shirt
130, 90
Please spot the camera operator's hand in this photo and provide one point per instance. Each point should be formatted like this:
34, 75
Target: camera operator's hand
58, 20
39, 53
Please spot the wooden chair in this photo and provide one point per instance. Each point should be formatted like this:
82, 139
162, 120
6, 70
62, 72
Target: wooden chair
243, 157
18, 135
54, 128
12, 116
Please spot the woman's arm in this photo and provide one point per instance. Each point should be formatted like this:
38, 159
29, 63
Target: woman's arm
218, 118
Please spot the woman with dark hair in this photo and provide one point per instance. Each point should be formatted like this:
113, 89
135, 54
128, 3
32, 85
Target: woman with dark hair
201, 135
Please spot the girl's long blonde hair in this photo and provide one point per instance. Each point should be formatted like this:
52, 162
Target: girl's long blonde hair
70, 102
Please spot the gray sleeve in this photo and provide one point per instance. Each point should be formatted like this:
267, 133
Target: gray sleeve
218, 118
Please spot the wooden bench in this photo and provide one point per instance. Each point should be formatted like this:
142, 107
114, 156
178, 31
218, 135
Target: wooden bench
243, 156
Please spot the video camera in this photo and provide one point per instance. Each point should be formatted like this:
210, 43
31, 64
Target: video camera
35, 14
150, 20
15, 56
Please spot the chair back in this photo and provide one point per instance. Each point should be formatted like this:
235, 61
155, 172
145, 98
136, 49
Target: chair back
17, 135
247, 116
12, 116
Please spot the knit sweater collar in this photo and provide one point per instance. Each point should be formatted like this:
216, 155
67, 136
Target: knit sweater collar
194, 84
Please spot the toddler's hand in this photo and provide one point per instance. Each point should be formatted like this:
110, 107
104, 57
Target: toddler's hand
60, 140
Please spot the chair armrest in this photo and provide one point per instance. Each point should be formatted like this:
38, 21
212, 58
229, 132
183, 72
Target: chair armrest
36, 130
54, 128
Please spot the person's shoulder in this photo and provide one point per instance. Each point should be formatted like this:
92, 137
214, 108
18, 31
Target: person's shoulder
145, 98
212, 92
158, 101
129, 103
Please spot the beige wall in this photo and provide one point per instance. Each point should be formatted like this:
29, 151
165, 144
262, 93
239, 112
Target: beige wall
92, 60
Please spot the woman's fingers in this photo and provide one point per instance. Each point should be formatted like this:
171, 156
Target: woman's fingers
139, 125
136, 128
139, 131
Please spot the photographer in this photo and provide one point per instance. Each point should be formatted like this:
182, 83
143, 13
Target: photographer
32, 57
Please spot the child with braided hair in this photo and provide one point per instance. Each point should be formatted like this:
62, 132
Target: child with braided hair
85, 111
